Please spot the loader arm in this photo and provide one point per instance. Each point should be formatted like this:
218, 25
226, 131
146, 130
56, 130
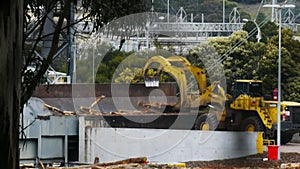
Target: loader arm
160, 64
181, 69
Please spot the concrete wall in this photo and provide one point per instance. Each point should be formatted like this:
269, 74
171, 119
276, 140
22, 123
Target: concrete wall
158, 145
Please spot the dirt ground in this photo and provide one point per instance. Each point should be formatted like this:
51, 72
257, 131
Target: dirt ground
253, 161
290, 158
258, 161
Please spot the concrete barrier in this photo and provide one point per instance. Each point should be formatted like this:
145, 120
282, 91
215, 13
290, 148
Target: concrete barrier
161, 145
296, 138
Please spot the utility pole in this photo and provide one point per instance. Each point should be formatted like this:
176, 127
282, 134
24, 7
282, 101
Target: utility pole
223, 11
71, 52
168, 11
273, 10
279, 8
152, 6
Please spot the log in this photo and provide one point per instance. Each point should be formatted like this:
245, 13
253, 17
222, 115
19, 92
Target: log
24, 166
42, 165
55, 109
97, 101
155, 105
87, 110
96, 161
139, 160
118, 166
90, 109
52, 108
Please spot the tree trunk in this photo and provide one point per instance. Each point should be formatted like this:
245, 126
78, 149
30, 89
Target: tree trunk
11, 39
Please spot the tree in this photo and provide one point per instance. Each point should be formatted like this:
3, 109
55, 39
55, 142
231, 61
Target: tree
244, 58
97, 11
15, 92
129, 75
11, 19
268, 30
289, 64
238, 56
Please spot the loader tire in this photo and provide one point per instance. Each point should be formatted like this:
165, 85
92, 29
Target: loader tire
284, 139
206, 122
252, 123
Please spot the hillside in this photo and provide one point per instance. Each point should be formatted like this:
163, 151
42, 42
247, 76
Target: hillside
213, 9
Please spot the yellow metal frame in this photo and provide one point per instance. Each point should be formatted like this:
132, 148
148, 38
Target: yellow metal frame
257, 104
207, 94
248, 81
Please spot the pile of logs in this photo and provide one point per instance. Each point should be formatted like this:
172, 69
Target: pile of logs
131, 163
147, 108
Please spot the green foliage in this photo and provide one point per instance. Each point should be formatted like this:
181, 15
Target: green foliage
252, 60
291, 90
268, 31
108, 66
250, 27
113, 66
206, 57
130, 70
92, 57
238, 63
130, 76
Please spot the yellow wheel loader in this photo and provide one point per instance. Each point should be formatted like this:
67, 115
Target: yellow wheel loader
244, 110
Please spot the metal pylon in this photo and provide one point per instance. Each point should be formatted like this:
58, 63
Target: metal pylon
181, 15
288, 16
66, 41
234, 16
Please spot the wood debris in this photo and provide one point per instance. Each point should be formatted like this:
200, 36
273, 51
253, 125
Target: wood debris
55, 109
290, 165
98, 100
148, 108
26, 166
42, 164
90, 110
131, 163
149, 105
127, 163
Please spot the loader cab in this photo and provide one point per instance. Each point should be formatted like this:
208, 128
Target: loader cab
252, 88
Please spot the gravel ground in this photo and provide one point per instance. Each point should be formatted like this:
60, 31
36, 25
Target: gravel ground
253, 161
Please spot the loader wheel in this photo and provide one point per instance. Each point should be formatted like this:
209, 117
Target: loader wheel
206, 122
284, 139
251, 124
